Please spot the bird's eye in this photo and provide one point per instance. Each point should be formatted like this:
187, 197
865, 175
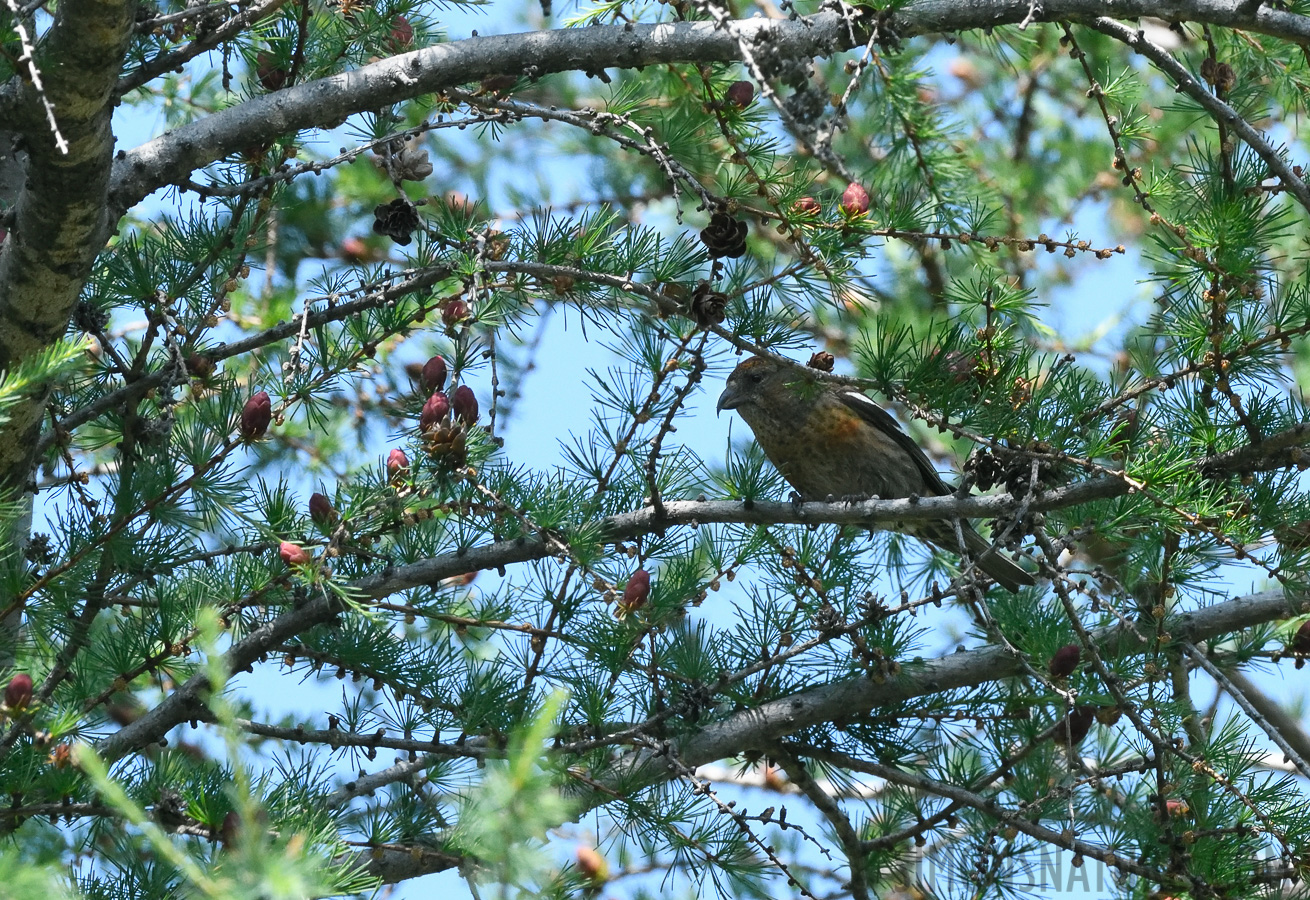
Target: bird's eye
756, 377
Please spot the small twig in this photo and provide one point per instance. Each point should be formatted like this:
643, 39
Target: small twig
28, 55
1241, 700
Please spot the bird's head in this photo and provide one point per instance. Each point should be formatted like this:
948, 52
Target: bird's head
758, 377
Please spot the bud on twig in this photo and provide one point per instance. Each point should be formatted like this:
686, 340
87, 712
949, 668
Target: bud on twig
806, 206
256, 415
199, 366
635, 593
293, 554
433, 377
1074, 727
1301, 640
320, 509
454, 312
230, 832
465, 405
397, 463
19, 692
270, 72
1065, 660
592, 864
740, 94
435, 410
402, 34
855, 200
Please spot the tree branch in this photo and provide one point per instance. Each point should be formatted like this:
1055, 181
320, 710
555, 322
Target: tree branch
1221, 111
170, 158
60, 218
761, 727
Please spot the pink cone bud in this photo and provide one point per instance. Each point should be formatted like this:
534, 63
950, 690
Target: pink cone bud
397, 462
256, 415
454, 312
465, 404
293, 554
436, 409
434, 374
592, 864
354, 249
636, 592
740, 93
855, 200
807, 206
19, 692
320, 509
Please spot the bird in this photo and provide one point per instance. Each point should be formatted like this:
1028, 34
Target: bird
830, 441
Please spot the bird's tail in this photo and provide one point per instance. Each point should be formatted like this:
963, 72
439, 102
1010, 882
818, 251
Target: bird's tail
1000, 567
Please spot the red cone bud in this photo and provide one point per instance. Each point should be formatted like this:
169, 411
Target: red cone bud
255, 417
855, 200
271, 75
320, 509
293, 554
465, 404
1065, 660
741, 93
397, 462
636, 592
1177, 807
19, 692
434, 374
807, 206
454, 312
436, 409
402, 33
1074, 727
1301, 640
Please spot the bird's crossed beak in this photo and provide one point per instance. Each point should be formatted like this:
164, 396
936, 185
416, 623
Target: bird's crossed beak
731, 398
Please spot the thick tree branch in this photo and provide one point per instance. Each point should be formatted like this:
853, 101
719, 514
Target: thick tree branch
760, 728
60, 218
170, 158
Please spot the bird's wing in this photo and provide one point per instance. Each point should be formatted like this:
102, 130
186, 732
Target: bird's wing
879, 418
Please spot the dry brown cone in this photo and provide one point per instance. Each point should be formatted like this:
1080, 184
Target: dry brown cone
445, 442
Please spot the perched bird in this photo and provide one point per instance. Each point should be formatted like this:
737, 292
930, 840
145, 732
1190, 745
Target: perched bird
831, 441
